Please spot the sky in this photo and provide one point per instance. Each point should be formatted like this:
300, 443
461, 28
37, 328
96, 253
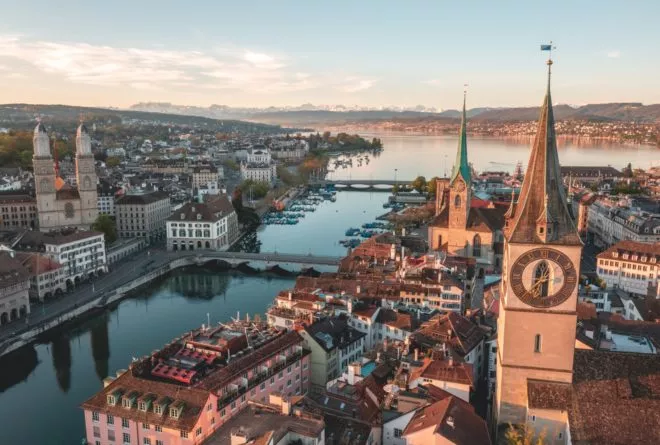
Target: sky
359, 52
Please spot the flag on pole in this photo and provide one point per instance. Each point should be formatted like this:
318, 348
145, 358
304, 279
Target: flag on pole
546, 47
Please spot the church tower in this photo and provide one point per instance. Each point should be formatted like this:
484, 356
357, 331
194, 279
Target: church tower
541, 262
86, 176
44, 179
460, 184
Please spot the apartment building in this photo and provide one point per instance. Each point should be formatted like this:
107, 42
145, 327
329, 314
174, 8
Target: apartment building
106, 197
142, 215
47, 276
203, 175
18, 210
80, 254
608, 223
14, 286
259, 166
212, 224
631, 266
196, 384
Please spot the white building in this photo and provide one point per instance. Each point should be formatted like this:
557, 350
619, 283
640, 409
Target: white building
47, 276
204, 175
259, 166
631, 266
106, 198
608, 223
81, 254
209, 225
289, 150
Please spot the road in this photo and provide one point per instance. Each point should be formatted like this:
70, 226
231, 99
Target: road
588, 260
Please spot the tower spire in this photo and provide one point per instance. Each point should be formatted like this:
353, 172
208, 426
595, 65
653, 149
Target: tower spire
462, 167
541, 214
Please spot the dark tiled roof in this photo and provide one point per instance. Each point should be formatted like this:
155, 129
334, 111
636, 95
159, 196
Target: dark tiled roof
602, 365
67, 193
142, 198
33, 239
194, 400
12, 270
396, 319
338, 330
16, 197
210, 211
548, 395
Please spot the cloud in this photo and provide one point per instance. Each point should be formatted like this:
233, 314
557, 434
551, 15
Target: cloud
355, 84
614, 54
157, 68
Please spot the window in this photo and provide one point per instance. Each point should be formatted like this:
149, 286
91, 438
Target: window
457, 201
95, 416
209, 407
111, 419
145, 426
126, 438
397, 432
184, 434
158, 428
541, 279
111, 436
146, 441
476, 246
198, 432
222, 413
97, 431
124, 422
262, 386
537, 343
159, 442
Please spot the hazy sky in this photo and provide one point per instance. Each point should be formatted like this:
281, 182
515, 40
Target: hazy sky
372, 53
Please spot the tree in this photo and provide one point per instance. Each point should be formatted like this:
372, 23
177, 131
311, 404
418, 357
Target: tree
523, 435
628, 171
419, 183
106, 225
112, 162
395, 189
432, 185
237, 199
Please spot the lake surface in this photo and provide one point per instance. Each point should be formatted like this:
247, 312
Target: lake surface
39, 404
433, 155
44, 408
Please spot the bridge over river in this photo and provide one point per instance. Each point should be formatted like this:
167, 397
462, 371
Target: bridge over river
363, 184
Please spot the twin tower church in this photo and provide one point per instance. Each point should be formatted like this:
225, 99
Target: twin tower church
59, 204
535, 244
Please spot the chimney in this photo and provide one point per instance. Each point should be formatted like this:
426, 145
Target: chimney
238, 437
358, 289
290, 295
416, 354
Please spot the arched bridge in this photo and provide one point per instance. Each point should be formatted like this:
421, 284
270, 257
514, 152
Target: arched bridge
259, 261
382, 184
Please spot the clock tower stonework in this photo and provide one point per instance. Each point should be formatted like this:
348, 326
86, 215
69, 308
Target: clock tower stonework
538, 298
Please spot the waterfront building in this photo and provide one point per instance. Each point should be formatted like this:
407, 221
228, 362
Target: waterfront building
463, 225
292, 309
289, 150
608, 223
588, 174
18, 210
14, 288
123, 248
212, 224
81, 255
334, 344
196, 384
631, 266
142, 215
106, 198
203, 175
47, 276
59, 204
259, 166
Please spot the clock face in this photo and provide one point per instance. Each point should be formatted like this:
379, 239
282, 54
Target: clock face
543, 277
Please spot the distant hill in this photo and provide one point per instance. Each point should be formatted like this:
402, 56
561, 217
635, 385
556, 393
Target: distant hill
308, 114
66, 117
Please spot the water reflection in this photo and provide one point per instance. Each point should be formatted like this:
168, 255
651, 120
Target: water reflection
17, 366
204, 286
100, 342
61, 353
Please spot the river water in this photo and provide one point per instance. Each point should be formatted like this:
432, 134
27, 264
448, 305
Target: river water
39, 401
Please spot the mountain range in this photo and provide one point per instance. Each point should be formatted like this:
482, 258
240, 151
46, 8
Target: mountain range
308, 114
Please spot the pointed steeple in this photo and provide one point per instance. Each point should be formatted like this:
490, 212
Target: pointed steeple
461, 166
541, 214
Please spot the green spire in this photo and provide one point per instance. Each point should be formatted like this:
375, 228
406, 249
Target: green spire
461, 166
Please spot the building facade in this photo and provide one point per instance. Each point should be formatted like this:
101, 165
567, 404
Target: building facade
608, 223
183, 393
259, 166
631, 266
106, 198
143, 215
202, 176
60, 205
212, 224
14, 288
18, 211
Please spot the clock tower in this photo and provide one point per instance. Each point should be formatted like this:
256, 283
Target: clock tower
538, 298
460, 184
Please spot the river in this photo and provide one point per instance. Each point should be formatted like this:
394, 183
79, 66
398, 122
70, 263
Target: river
52, 379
